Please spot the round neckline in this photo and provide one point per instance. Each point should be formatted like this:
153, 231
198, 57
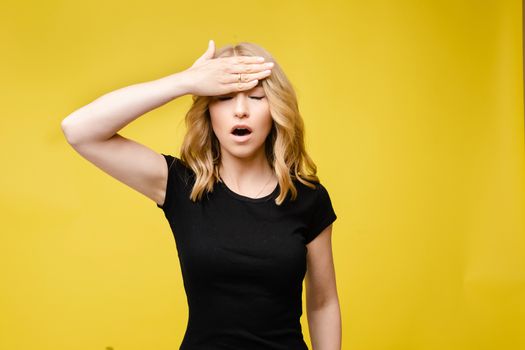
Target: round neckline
248, 199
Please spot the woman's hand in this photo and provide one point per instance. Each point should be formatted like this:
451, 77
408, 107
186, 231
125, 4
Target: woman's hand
210, 76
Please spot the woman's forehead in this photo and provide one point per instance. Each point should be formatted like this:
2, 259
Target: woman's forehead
257, 88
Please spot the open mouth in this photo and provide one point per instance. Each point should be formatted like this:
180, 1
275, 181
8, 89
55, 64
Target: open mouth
241, 131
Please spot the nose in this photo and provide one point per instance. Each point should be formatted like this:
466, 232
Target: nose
241, 106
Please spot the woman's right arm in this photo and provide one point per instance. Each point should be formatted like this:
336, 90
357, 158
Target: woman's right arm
92, 132
92, 129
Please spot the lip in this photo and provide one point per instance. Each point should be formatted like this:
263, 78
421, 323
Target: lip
241, 126
241, 139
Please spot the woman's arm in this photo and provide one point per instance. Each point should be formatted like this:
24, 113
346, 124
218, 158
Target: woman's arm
208, 76
322, 303
92, 132
104, 117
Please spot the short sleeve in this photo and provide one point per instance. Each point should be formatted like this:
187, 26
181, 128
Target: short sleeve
323, 216
170, 161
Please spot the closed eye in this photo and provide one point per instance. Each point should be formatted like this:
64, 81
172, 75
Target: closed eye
224, 98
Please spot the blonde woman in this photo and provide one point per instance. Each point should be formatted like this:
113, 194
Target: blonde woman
250, 217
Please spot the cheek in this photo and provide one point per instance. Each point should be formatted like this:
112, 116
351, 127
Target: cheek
267, 120
218, 124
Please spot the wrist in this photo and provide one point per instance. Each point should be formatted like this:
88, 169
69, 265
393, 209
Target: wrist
178, 84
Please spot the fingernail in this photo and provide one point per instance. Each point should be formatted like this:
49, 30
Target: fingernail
260, 59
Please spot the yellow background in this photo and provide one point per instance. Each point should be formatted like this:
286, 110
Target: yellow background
414, 116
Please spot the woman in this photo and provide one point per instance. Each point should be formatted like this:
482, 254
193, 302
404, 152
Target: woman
248, 213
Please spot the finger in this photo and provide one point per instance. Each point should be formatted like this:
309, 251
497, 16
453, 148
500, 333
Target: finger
244, 59
246, 78
210, 51
261, 75
249, 68
246, 86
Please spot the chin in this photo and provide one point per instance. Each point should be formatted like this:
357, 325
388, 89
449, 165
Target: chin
243, 151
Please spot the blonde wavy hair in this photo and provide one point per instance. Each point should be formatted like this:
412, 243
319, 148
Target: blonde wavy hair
284, 146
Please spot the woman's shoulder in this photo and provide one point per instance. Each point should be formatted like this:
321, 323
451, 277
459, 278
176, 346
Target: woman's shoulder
176, 161
179, 167
310, 188
307, 184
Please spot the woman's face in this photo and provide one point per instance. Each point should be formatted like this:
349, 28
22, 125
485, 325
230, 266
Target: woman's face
249, 109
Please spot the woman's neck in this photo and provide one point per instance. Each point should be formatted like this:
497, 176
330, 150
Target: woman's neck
251, 176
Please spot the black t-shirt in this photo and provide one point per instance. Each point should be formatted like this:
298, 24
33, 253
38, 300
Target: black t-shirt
243, 261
